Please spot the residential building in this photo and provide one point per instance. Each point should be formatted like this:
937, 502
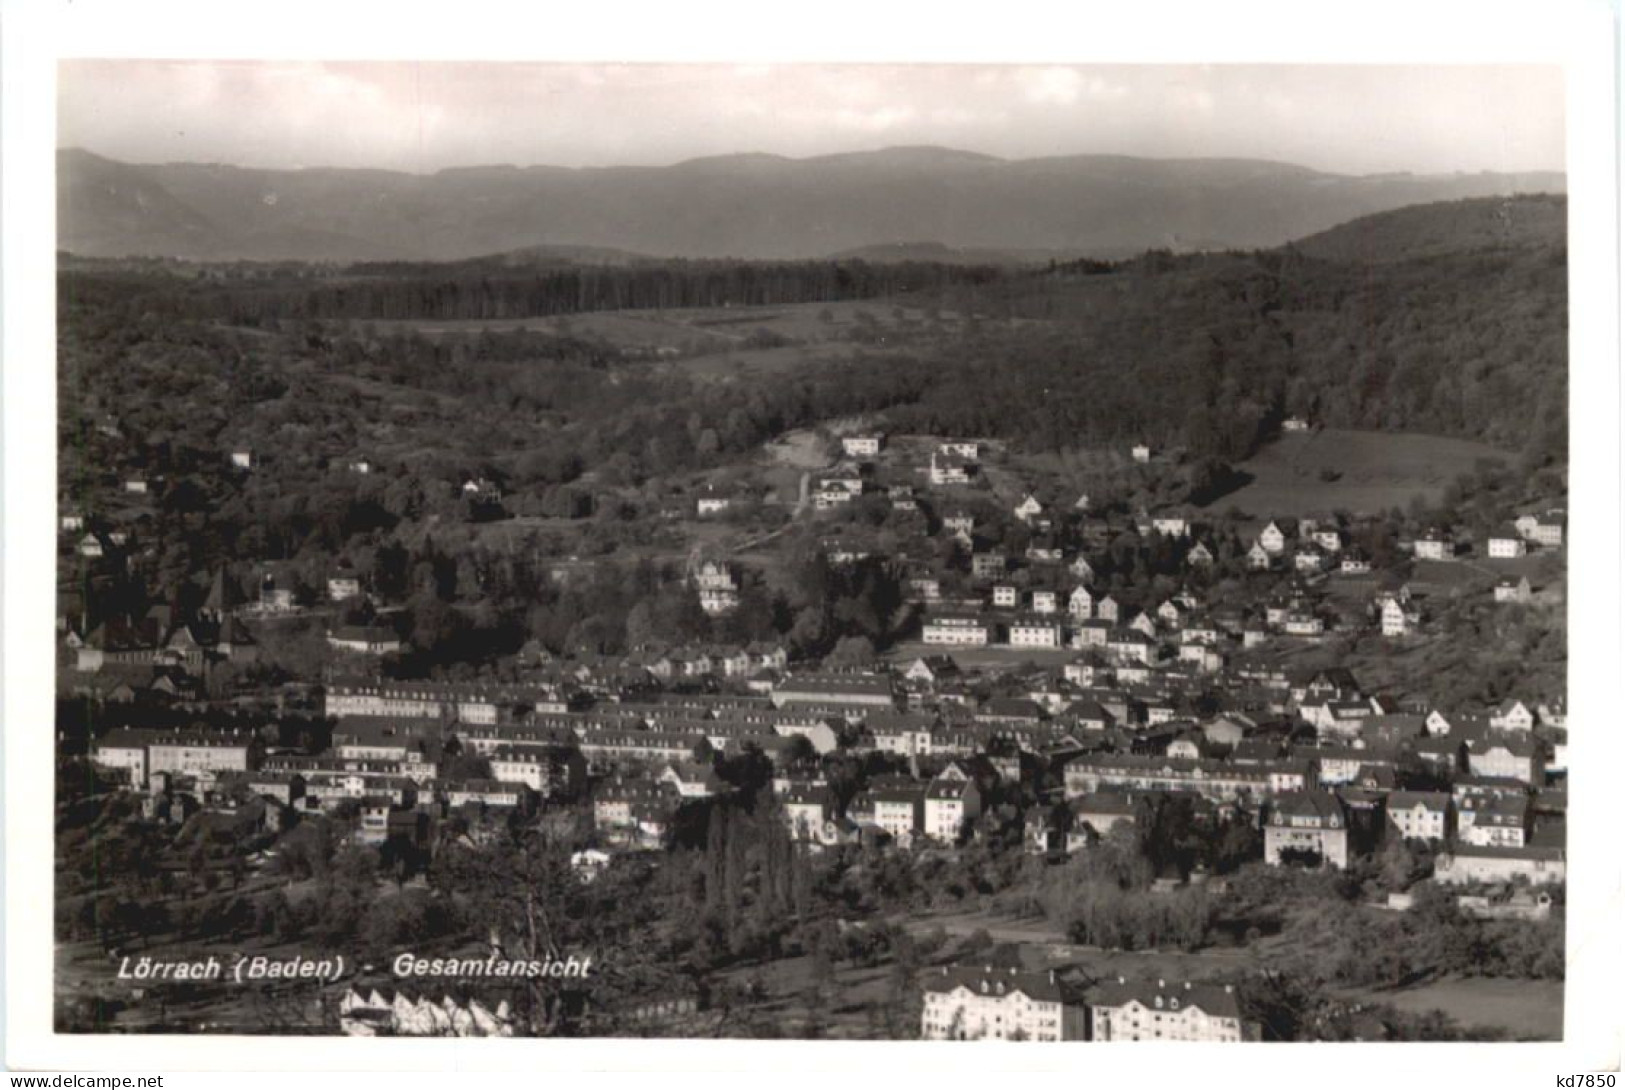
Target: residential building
1164, 1011
1309, 822
965, 1003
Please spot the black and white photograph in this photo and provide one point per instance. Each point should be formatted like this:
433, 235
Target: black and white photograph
815, 551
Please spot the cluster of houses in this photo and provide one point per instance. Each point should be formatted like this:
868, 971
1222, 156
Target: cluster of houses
976, 1003
1324, 770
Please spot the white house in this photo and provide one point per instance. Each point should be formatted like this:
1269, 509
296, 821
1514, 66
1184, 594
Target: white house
1272, 538
987, 1003
1165, 1011
1034, 632
949, 630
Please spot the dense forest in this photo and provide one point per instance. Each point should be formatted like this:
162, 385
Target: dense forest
495, 290
1207, 351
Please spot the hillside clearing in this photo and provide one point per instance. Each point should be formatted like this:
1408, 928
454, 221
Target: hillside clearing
1371, 472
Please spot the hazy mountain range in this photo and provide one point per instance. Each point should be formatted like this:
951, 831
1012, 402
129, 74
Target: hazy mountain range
900, 202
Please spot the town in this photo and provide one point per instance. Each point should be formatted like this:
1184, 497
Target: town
1167, 702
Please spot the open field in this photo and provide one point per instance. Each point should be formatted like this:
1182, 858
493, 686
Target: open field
799, 449
1528, 1009
693, 329
1375, 471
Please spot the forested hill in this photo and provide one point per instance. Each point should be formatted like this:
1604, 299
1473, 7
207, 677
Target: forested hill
1450, 227
1208, 351
1213, 351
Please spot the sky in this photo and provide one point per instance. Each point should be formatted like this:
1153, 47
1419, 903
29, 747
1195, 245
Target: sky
426, 116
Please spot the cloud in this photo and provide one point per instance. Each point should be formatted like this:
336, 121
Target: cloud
876, 120
1065, 86
1051, 86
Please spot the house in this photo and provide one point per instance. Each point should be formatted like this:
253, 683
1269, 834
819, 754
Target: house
1034, 632
1133, 646
968, 449
1420, 815
1544, 530
951, 801
373, 1014
1006, 596
1396, 620
1519, 593
276, 594
549, 770
1199, 556
1494, 821
1107, 609
1045, 601
1097, 813
1328, 538
1295, 424
1506, 544
714, 505
931, 668
809, 810
1259, 558
1092, 633
962, 1003
344, 584
861, 446
988, 565
1121, 1010
1170, 526
1354, 564
1029, 508
1081, 568
955, 630
925, 588
1140, 453
693, 779
1512, 715
1273, 539
1508, 754
1080, 605
1469, 865
1298, 623
949, 469
1434, 545
145, 756
893, 804
1310, 822
364, 639
1308, 560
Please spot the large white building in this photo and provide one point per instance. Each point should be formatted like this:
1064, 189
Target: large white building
946, 630
1164, 1011
143, 754
1307, 821
1034, 632
985, 1003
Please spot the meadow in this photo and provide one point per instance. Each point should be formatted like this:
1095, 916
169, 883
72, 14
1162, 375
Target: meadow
1355, 471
